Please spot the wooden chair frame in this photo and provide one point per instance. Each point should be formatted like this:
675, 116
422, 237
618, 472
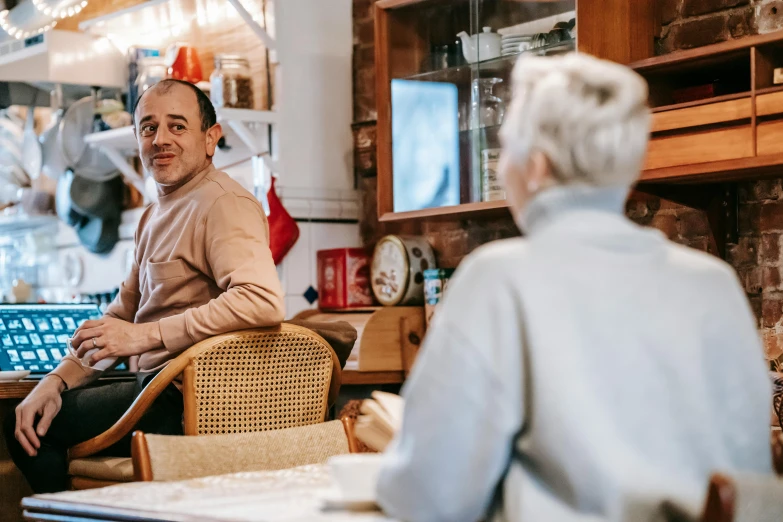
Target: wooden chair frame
721, 501
183, 365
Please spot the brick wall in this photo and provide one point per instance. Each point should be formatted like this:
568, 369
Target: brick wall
685, 24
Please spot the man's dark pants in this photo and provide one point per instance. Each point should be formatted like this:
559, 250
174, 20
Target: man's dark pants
86, 413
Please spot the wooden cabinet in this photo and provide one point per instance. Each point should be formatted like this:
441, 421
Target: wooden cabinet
730, 127
440, 108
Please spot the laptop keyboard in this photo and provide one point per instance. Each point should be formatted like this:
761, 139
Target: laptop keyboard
36, 339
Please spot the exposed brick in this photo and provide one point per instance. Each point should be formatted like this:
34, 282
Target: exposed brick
742, 23
700, 243
693, 224
363, 9
771, 312
771, 217
700, 7
667, 204
749, 217
364, 32
770, 16
666, 223
769, 249
697, 33
773, 344
770, 278
767, 189
752, 280
755, 305
744, 253
670, 10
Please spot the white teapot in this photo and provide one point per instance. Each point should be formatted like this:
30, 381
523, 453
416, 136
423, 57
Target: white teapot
481, 46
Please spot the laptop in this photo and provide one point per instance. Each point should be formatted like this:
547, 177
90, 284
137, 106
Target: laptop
35, 336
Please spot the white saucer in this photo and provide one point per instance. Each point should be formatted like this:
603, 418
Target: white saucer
14, 375
333, 500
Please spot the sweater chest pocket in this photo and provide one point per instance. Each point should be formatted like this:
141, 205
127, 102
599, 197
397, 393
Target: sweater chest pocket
169, 282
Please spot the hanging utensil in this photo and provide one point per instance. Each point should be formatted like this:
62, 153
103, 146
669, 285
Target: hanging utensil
53, 162
31, 148
86, 160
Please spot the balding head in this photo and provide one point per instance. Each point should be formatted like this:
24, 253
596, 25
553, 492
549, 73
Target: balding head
206, 109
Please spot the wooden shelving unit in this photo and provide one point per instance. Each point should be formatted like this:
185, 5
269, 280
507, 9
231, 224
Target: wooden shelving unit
733, 136
405, 30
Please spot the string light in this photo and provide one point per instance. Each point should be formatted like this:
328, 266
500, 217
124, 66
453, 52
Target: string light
18, 33
61, 13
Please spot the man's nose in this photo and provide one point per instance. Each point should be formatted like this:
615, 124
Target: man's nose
162, 136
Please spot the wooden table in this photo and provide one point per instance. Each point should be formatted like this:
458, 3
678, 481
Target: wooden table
355, 377
13, 486
291, 495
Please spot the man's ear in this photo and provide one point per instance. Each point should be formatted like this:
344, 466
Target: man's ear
214, 134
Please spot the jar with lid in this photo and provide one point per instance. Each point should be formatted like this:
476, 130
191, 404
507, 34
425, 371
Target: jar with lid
152, 70
231, 82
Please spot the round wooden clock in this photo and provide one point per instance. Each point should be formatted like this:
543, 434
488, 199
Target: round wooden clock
397, 270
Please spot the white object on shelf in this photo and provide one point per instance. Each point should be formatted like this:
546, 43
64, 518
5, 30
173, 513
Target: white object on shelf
64, 57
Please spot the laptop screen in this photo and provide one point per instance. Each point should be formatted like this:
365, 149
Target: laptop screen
35, 337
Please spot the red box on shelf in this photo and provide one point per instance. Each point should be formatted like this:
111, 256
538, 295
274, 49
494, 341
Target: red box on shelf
344, 279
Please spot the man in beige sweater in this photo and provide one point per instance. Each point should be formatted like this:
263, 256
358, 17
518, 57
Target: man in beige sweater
202, 267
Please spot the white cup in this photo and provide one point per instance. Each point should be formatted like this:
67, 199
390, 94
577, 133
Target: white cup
356, 475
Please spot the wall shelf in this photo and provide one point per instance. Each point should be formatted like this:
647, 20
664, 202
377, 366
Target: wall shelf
731, 137
481, 209
404, 38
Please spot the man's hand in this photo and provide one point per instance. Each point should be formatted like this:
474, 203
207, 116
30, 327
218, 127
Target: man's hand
115, 338
43, 401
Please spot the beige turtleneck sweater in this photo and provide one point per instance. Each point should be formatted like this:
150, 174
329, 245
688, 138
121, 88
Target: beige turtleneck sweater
202, 267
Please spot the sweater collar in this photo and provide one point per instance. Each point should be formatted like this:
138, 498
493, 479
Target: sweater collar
551, 203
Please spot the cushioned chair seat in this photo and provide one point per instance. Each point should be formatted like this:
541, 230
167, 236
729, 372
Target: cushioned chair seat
113, 469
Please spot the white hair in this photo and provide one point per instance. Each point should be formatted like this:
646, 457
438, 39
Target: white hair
589, 117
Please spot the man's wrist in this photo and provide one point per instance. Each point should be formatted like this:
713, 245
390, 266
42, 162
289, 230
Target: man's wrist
57, 381
152, 334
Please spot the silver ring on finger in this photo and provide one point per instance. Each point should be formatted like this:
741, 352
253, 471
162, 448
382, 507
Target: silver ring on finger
94, 344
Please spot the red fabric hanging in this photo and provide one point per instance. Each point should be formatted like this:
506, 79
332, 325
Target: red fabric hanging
283, 230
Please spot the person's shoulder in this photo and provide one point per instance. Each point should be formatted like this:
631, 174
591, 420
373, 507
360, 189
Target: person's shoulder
691, 260
220, 189
492, 258
491, 266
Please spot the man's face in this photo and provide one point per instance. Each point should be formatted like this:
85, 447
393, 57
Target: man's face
173, 146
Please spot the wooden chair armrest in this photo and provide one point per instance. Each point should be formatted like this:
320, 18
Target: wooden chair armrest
353, 442
132, 416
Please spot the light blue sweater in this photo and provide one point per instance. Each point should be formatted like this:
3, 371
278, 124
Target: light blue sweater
633, 363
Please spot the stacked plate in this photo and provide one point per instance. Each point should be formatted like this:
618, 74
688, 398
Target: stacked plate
517, 43
509, 44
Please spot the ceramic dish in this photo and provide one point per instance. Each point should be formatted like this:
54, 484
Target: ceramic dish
11, 376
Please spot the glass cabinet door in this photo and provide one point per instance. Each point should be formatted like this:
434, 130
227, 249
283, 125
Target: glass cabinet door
450, 67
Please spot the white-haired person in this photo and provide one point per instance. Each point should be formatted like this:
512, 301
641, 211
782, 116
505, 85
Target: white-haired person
591, 369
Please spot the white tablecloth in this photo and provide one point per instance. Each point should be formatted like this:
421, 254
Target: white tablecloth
291, 495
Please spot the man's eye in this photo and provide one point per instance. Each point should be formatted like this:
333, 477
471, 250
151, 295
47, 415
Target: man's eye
179, 127
147, 129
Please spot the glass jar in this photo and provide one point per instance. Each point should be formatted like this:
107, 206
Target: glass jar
152, 70
231, 82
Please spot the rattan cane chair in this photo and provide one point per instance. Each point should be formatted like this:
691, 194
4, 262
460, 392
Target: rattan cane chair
248, 381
